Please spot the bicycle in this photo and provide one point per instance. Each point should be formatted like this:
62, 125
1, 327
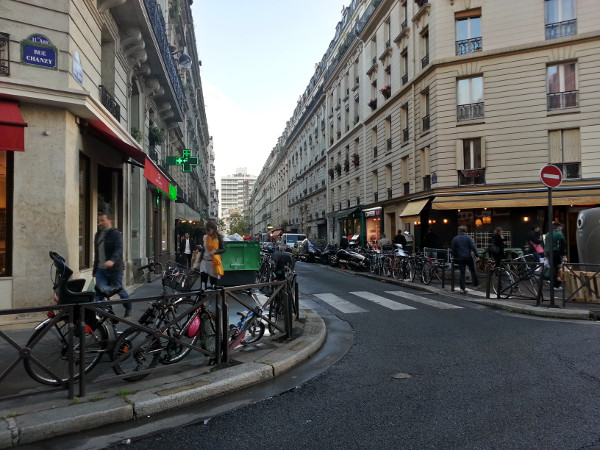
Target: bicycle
181, 322
50, 345
249, 329
284, 271
517, 275
421, 266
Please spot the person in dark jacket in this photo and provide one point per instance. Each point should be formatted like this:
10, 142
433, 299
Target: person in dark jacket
186, 248
463, 248
431, 239
497, 247
558, 250
536, 244
108, 259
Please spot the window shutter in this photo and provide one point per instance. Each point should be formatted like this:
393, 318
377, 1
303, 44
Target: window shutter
460, 158
571, 146
555, 147
482, 153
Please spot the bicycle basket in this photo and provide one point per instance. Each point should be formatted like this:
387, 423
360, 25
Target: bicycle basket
180, 277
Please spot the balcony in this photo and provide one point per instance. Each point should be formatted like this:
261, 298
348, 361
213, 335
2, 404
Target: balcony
4, 54
375, 197
471, 177
405, 135
560, 29
110, 103
424, 61
375, 152
426, 123
389, 193
468, 46
389, 143
561, 100
469, 112
406, 188
404, 79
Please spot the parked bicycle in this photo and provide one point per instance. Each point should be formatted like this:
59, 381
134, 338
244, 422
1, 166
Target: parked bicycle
517, 276
50, 344
420, 266
249, 329
170, 328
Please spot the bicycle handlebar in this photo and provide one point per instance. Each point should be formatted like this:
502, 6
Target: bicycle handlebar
151, 266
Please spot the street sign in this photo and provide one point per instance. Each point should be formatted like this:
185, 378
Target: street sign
551, 175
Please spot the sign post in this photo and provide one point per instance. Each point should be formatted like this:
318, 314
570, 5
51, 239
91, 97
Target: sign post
551, 176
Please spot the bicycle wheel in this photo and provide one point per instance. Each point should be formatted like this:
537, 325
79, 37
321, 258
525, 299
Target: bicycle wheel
427, 272
276, 311
386, 268
396, 268
175, 351
254, 332
373, 265
208, 333
52, 350
503, 278
411, 269
145, 357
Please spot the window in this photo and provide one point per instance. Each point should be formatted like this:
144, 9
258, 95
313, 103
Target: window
560, 18
404, 65
562, 86
405, 179
470, 98
468, 32
84, 212
388, 180
425, 47
404, 15
404, 122
565, 152
375, 186
426, 168
470, 161
425, 110
6, 183
388, 133
374, 141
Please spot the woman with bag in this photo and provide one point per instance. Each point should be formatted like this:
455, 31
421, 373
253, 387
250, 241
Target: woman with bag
534, 238
210, 259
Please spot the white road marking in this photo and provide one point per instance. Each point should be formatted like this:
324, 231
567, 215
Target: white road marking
423, 300
382, 301
340, 304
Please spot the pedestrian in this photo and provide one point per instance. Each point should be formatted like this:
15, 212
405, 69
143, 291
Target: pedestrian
463, 248
409, 241
108, 259
536, 244
496, 249
558, 250
186, 248
400, 239
431, 239
211, 266
384, 243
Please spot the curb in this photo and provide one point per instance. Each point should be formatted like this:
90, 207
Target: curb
61, 416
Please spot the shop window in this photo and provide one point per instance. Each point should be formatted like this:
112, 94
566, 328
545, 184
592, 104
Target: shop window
6, 184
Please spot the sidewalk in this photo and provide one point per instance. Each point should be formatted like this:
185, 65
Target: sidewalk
40, 416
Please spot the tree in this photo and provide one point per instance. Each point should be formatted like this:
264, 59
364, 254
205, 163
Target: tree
239, 224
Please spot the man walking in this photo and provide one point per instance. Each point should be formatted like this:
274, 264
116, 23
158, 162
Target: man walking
463, 249
108, 259
186, 248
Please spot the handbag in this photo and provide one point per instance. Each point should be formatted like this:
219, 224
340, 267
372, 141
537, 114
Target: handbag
537, 247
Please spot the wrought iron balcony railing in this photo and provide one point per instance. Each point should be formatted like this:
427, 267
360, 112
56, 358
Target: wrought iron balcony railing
469, 46
559, 100
470, 111
426, 123
110, 103
560, 29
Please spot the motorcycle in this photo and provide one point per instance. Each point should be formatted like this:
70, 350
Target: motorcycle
329, 251
350, 259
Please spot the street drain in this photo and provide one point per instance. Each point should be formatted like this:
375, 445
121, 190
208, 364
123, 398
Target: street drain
400, 376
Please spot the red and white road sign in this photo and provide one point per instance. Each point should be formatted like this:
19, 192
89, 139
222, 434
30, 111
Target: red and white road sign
551, 175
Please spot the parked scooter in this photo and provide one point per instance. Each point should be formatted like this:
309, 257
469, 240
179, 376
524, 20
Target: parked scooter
350, 259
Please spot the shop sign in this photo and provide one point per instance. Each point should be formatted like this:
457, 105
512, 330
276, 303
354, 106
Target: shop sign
374, 212
37, 50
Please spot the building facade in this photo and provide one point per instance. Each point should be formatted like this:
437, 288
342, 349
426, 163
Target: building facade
102, 112
442, 113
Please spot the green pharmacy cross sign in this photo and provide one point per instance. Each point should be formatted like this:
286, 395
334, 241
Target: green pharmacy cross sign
186, 161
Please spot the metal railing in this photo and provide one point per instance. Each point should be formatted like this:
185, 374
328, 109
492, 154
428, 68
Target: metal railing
75, 339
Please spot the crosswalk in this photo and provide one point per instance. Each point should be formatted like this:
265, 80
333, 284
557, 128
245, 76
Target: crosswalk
395, 301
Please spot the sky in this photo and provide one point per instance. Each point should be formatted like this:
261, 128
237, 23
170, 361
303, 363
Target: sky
258, 57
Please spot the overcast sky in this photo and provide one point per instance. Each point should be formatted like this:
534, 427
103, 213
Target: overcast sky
258, 57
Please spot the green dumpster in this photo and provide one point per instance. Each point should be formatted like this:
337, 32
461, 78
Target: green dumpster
241, 260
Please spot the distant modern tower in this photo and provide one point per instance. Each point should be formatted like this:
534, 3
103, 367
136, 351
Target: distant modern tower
235, 193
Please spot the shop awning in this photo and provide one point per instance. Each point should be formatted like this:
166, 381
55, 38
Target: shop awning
276, 233
345, 212
102, 131
518, 199
12, 127
155, 176
413, 208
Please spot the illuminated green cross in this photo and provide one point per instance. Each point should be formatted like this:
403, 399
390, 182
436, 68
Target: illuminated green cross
186, 161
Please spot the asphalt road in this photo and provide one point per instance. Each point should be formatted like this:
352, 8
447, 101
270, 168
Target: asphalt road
426, 371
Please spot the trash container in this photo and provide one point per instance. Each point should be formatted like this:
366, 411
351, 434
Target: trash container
241, 260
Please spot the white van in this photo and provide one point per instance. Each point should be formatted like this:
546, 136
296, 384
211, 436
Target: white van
289, 239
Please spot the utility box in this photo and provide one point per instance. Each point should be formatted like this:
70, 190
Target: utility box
240, 261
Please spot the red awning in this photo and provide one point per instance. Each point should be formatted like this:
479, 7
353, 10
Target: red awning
12, 126
155, 176
100, 130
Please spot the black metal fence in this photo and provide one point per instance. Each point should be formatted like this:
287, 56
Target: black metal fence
19, 346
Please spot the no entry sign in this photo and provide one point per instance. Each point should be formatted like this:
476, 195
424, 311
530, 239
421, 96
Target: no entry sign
551, 175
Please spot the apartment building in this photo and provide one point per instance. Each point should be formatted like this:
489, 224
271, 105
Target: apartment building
101, 111
442, 113
235, 192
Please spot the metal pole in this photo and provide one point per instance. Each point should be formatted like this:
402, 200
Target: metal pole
549, 246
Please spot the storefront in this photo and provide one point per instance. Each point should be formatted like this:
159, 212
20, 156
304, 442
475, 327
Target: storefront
349, 223
373, 225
